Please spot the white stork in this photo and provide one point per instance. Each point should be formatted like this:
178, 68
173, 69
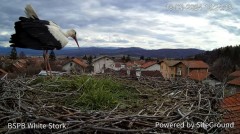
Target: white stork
33, 33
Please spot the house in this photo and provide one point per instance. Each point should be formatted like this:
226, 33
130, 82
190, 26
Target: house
212, 80
101, 63
168, 68
75, 66
118, 66
231, 106
151, 66
136, 73
234, 75
234, 82
151, 73
193, 69
134, 64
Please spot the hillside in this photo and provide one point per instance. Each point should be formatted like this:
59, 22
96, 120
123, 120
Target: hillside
133, 51
223, 60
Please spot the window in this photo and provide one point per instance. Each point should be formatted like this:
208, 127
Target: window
70, 64
179, 70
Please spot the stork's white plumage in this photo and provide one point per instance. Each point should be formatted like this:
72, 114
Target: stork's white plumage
33, 33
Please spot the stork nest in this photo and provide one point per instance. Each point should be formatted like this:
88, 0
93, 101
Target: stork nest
160, 102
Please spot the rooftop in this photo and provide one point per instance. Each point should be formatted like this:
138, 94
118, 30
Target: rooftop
195, 64
171, 63
235, 81
235, 74
232, 105
148, 64
79, 62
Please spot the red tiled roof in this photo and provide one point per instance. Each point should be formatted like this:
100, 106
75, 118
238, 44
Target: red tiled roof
129, 64
198, 75
235, 74
139, 62
232, 105
118, 65
195, 64
148, 64
77, 61
170, 63
235, 81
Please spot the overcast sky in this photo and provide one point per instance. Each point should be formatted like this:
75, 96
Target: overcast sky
150, 24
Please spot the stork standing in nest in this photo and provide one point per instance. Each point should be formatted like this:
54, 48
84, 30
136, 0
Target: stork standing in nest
33, 33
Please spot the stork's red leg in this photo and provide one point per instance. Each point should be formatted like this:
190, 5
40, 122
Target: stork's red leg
48, 64
45, 60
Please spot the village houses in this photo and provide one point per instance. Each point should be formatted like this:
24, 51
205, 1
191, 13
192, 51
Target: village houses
234, 82
193, 69
150, 66
101, 63
75, 66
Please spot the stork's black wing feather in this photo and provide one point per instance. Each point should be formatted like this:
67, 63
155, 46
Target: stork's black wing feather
33, 34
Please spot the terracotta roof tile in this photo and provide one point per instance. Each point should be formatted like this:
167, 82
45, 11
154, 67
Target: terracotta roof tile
195, 64
118, 65
148, 64
79, 62
235, 74
139, 62
232, 105
198, 75
235, 81
171, 63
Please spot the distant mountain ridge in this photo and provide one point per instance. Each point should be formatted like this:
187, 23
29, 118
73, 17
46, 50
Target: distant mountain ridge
112, 51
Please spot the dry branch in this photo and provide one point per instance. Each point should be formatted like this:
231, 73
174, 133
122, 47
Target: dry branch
175, 101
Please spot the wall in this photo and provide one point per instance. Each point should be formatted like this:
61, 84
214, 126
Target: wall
153, 68
73, 67
99, 64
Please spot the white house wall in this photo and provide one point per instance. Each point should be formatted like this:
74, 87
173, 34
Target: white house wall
98, 65
67, 67
74, 67
153, 68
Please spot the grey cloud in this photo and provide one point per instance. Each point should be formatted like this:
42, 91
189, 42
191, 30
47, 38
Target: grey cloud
117, 17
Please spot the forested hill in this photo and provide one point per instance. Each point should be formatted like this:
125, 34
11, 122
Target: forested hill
231, 52
223, 60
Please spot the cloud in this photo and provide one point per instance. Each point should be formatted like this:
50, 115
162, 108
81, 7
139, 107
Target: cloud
129, 23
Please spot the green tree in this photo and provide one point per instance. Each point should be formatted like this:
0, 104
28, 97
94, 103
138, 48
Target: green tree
85, 57
148, 59
52, 56
123, 58
13, 54
128, 58
142, 57
89, 60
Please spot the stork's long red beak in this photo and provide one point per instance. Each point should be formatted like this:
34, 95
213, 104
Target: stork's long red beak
76, 41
